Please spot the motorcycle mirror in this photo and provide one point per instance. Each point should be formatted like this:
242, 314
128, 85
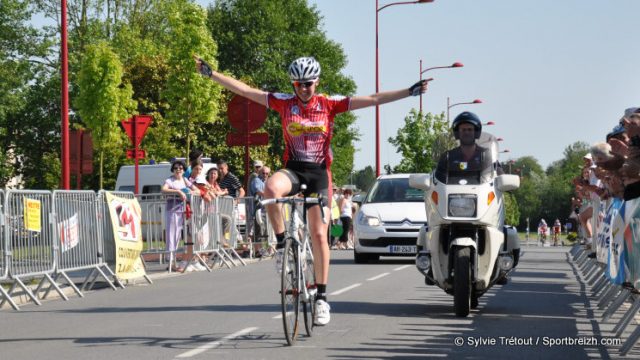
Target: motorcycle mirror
420, 181
507, 182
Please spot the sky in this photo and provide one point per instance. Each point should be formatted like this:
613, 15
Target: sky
549, 72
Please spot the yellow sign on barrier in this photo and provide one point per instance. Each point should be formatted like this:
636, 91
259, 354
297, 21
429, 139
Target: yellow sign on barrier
126, 219
32, 211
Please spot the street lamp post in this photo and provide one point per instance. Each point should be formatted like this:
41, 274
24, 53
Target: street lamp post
476, 101
378, 9
454, 65
64, 132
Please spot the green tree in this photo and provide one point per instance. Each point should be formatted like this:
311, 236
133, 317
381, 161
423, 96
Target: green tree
421, 141
557, 190
257, 40
192, 99
527, 165
512, 211
37, 138
20, 47
528, 195
103, 99
365, 178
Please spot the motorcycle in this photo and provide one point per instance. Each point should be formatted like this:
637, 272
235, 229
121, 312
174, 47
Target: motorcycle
466, 248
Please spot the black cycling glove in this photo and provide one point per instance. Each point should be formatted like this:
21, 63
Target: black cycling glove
415, 89
205, 69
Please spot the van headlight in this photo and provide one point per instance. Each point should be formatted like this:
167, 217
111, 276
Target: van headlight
367, 220
462, 205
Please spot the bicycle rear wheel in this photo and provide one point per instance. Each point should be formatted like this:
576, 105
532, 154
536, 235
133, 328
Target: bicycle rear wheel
309, 307
289, 291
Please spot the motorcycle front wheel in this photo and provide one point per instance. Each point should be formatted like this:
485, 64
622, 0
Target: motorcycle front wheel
462, 282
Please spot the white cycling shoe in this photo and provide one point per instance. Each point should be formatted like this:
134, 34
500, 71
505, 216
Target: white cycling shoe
323, 315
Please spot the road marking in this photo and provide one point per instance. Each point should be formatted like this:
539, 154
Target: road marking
401, 267
378, 277
344, 290
215, 344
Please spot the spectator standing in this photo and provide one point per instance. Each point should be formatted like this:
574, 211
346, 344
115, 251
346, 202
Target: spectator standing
256, 187
228, 181
180, 187
212, 179
345, 206
257, 167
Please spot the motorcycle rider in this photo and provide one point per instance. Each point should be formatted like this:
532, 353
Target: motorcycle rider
469, 159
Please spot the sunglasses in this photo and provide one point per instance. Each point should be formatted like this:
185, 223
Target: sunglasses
177, 168
306, 84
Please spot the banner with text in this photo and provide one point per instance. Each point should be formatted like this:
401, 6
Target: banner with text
125, 219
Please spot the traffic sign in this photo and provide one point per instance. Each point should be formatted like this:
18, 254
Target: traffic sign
245, 115
137, 127
131, 154
236, 139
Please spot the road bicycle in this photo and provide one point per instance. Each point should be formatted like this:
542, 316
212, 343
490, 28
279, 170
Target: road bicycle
556, 235
298, 282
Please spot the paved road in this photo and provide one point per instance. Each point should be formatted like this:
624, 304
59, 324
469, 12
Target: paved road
381, 311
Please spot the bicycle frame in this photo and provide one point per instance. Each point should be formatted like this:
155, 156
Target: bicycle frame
303, 246
298, 286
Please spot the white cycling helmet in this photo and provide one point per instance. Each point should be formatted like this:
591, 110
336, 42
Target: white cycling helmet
304, 69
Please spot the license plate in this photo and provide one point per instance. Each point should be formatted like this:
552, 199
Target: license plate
403, 249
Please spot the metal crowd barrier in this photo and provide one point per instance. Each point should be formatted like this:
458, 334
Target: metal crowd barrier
29, 241
227, 206
153, 208
610, 297
257, 233
79, 238
4, 256
46, 236
206, 232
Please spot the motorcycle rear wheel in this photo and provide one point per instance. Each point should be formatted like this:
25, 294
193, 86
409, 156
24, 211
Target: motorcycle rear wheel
462, 282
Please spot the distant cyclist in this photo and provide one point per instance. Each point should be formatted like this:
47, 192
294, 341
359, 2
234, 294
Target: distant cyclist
542, 231
557, 229
307, 123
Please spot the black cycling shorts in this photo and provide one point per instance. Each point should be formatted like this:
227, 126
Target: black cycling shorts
314, 176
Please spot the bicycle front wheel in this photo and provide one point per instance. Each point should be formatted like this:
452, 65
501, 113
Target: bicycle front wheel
289, 291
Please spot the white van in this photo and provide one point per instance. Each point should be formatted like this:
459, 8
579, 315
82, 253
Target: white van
150, 177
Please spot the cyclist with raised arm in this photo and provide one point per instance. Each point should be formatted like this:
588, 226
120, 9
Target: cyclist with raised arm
307, 123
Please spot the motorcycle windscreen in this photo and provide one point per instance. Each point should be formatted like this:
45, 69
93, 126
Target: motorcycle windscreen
456, 168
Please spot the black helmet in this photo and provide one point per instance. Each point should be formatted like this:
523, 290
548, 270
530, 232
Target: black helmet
467, 117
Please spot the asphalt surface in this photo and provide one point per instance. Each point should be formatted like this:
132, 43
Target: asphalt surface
379, 311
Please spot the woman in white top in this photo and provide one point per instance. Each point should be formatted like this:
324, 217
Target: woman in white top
345, 204
178, 186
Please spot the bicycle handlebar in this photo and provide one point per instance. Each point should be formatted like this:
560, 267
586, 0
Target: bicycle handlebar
296, 199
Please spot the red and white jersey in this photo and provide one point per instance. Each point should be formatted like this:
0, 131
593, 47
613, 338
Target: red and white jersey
308, 129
